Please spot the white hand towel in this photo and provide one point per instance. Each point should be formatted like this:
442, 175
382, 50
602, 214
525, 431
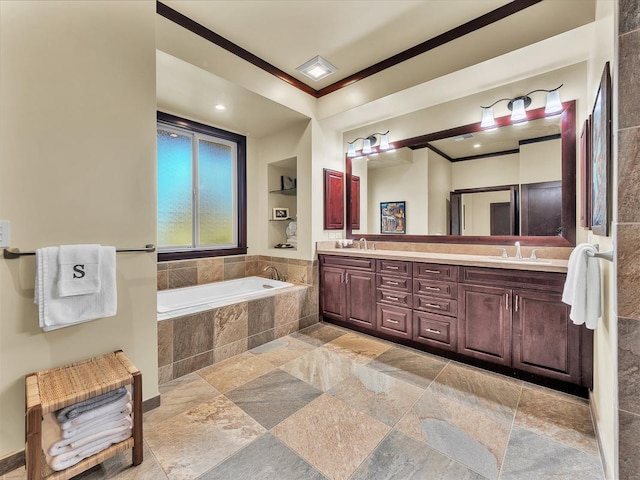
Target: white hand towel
79, 270
58, 312
582, 289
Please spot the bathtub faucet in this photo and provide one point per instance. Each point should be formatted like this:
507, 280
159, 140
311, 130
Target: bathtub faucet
275, 274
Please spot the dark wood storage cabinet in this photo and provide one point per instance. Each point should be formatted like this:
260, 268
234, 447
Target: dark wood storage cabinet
347, 288
513, 319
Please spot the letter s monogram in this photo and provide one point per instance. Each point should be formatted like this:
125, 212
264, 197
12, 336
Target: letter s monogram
78, 269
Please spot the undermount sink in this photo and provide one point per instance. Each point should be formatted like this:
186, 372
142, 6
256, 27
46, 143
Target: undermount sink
523, 261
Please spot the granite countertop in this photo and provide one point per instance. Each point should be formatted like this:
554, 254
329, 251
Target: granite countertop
543, 264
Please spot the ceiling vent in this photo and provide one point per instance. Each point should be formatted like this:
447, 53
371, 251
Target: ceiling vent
465, 136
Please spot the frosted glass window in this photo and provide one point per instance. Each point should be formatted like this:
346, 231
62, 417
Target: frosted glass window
197, 190
175, 200
216, 172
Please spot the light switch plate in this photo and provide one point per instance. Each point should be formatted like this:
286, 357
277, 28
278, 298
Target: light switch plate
5, 237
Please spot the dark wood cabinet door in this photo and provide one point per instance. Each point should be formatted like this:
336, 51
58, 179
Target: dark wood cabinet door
545, 341
484, 323
333, 200
361, 294
333, 293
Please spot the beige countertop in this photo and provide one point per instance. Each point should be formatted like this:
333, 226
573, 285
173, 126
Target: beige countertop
543, 265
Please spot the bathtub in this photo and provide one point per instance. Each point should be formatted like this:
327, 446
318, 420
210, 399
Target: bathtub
213, 295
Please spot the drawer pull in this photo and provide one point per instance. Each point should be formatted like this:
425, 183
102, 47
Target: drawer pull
389, 282
391, 267
395, 299
433, 271
432, 305
432, 330
391, 321
435, 289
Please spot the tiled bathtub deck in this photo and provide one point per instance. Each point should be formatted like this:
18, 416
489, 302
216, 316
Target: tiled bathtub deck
328, 403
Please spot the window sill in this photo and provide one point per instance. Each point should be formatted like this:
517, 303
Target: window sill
191, 254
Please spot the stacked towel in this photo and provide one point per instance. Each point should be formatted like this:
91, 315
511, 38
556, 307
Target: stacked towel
58, 311
582, 287
95, 425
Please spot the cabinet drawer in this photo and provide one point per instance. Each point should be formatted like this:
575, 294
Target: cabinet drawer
448, 273
443, 306
394, 321
436, 330
402, 299
548, 281
394, 283
435, 288
395, 267
350, 262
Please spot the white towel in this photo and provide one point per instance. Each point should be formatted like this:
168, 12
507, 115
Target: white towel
99, 414
58, 312
78, 270
582, 287
75, 455
102, 422
54, 444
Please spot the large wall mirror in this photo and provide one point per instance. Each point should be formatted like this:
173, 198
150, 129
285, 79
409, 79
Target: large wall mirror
469, 185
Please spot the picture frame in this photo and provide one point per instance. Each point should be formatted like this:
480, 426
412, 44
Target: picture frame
585, 174
601, 157
393, 218
280, 213
287, 183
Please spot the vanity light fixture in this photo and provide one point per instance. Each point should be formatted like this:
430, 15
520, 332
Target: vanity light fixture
317, 68
518, 107
368, 143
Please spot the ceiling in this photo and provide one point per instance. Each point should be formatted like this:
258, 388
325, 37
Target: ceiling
351, 34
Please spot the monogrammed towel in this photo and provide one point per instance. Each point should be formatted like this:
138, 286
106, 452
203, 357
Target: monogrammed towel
79, 270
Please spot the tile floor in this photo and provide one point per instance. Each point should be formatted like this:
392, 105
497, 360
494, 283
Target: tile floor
327, 403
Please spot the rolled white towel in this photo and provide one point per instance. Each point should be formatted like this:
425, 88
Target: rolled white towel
68, 459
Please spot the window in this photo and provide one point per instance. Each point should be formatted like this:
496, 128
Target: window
201, 190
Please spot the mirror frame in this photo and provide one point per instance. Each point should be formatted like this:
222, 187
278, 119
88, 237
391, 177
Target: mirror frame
568, 238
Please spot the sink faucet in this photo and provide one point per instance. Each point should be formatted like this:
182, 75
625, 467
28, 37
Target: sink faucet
275, 275
518, 251
365, 242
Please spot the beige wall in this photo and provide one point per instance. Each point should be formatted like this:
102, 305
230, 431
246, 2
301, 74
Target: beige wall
477, 211
541, 161
77, 155
605, 390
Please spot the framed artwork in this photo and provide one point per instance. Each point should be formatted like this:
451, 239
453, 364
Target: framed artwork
601, 156
585, 174
287, 183
280, 213
392, 217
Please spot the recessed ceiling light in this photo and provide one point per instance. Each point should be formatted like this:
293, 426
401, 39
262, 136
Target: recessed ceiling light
317, 68
476, 145
220, 107
173, 135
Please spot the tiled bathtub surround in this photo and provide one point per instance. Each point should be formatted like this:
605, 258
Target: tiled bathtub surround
628, 231
187, 273
197, 340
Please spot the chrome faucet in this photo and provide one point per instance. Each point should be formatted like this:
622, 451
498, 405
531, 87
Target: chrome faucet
518, 251
365, 242
275, 275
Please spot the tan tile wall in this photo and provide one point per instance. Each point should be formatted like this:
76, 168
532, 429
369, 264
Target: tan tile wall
628, 238
192, 342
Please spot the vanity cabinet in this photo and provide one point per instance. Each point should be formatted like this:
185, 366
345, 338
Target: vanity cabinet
346, 288
512, 319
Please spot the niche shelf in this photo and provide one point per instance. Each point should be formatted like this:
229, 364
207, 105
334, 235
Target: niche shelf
281, 174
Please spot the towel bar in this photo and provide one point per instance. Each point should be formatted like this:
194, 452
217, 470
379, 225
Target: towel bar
11, 253
605, 255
